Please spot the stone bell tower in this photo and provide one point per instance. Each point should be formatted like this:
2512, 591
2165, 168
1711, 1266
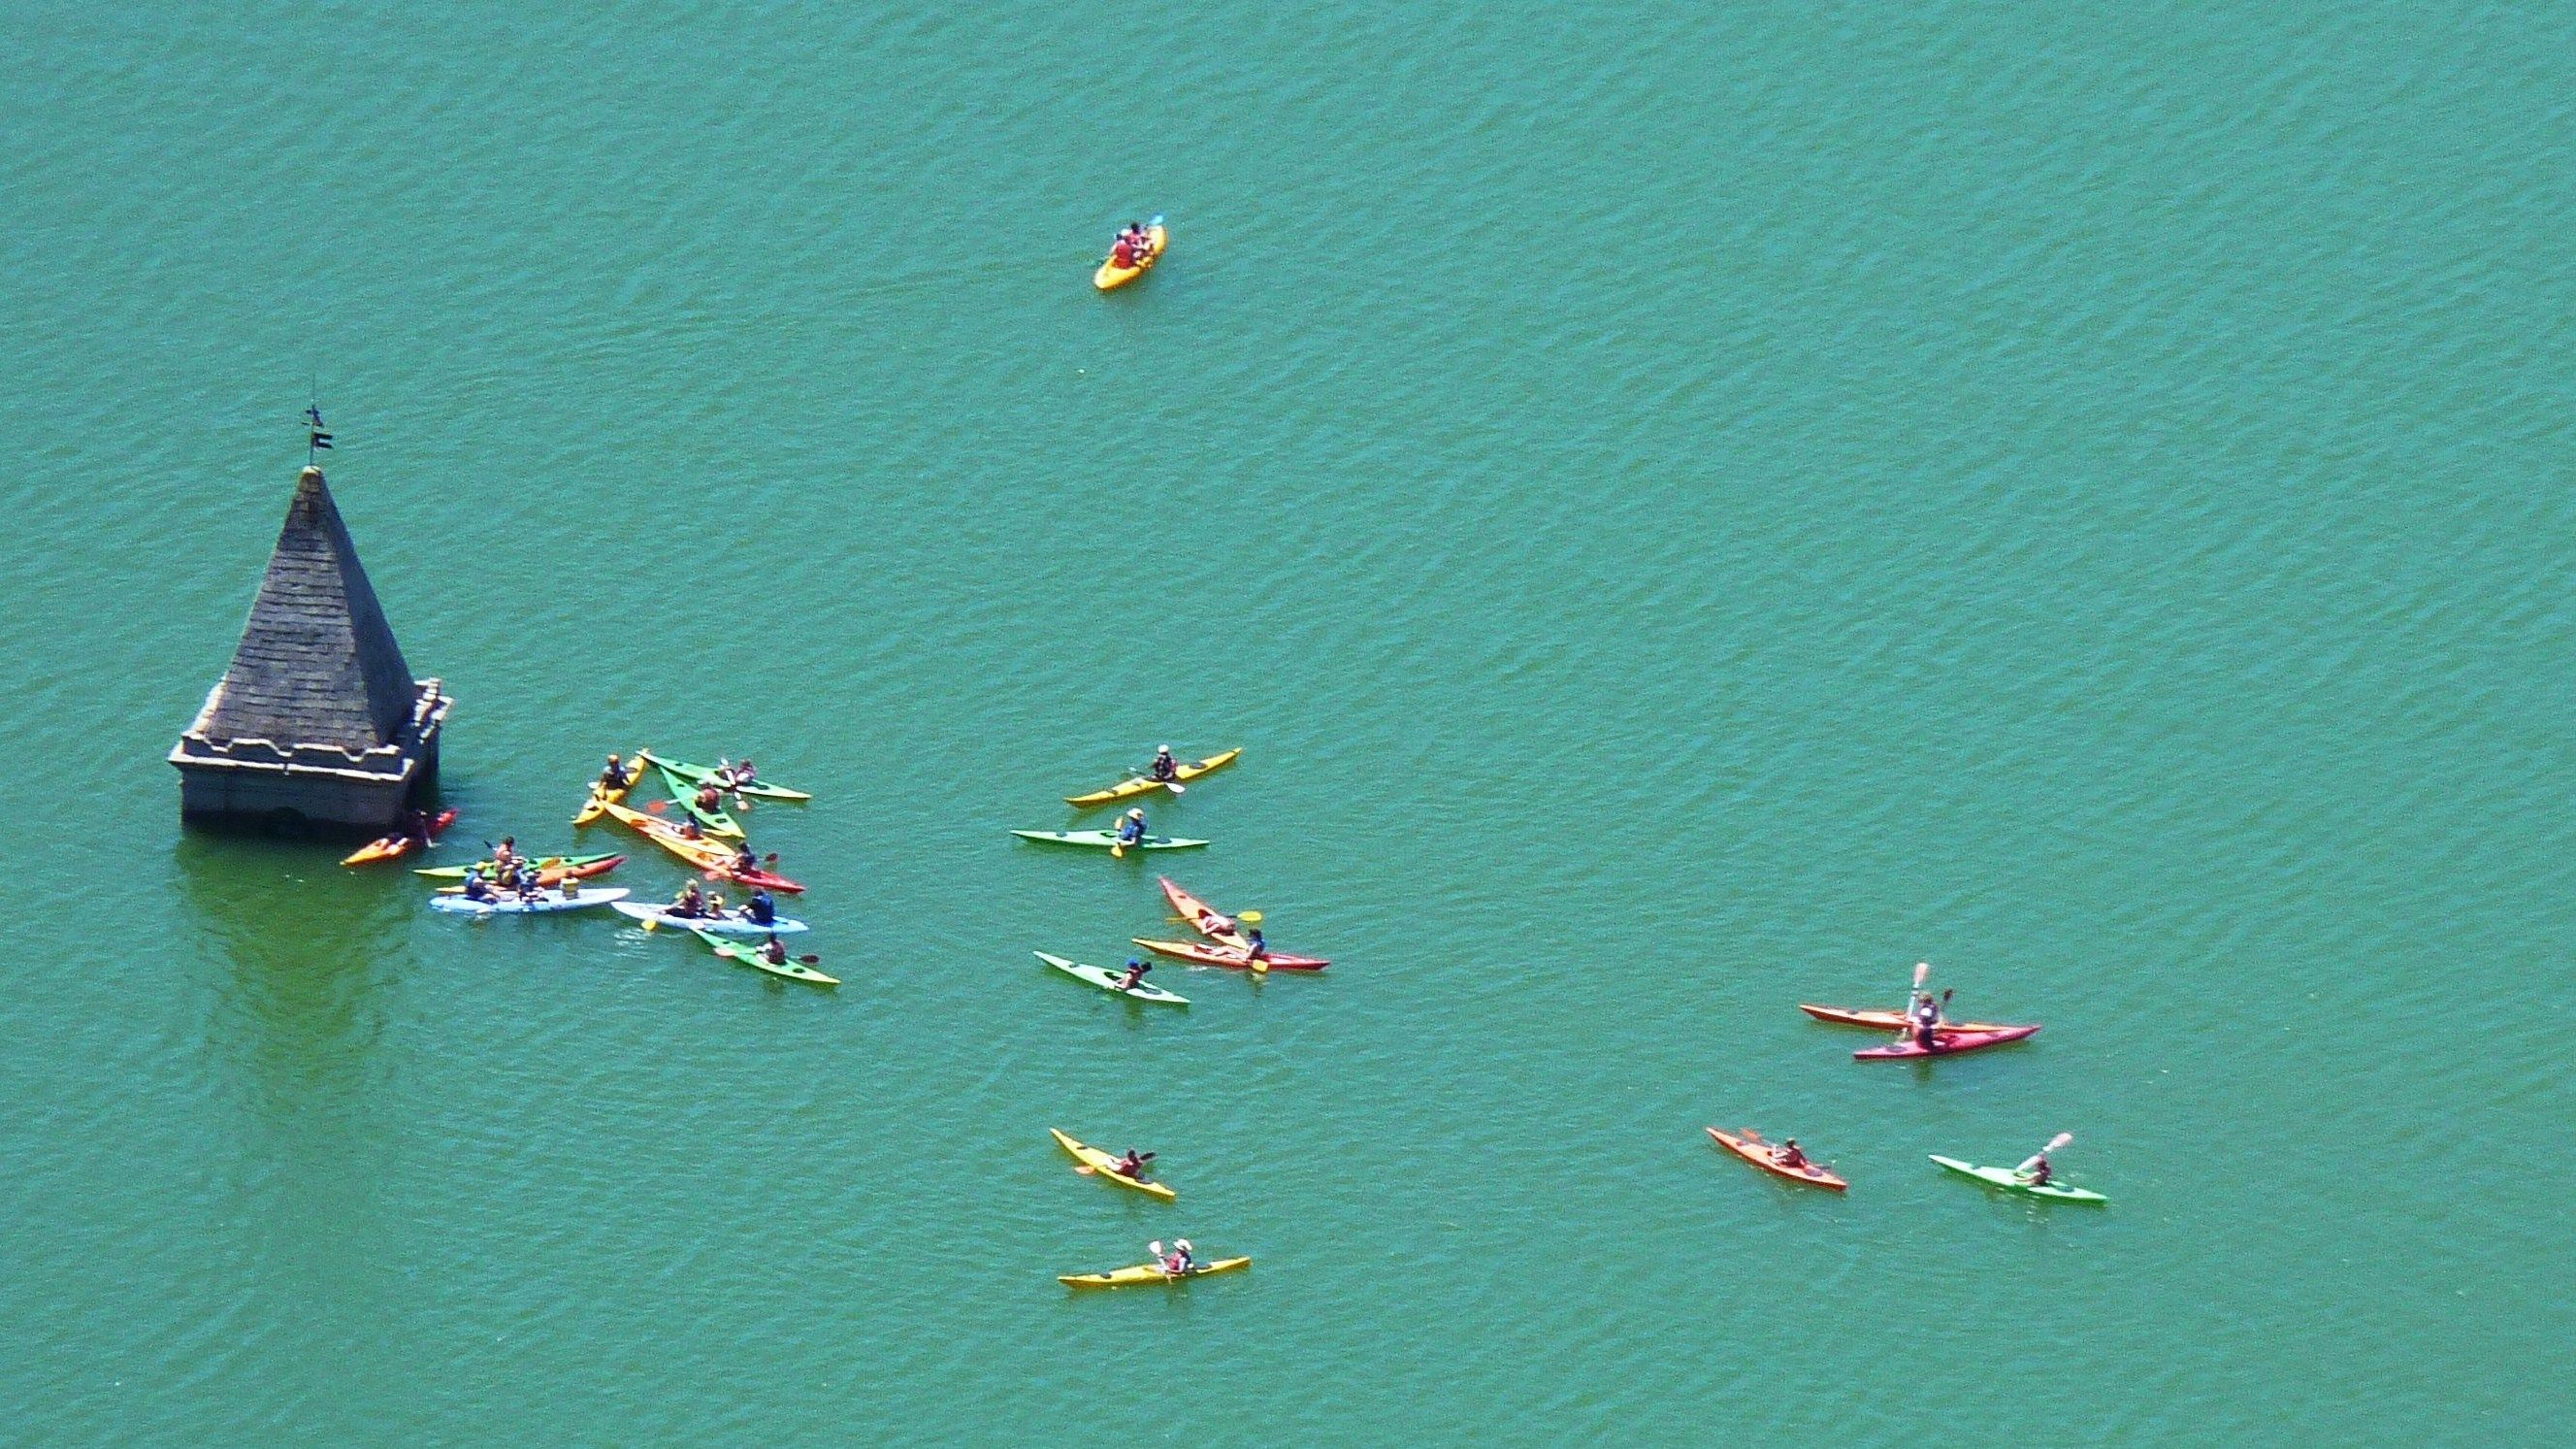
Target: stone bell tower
318, 726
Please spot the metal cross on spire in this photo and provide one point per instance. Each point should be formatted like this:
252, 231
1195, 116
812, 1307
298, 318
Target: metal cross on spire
316, 441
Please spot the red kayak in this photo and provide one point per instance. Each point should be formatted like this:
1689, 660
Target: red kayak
764, 879
1888, 1020
1207, 954
1946, 1041
1753, 1149
394, 847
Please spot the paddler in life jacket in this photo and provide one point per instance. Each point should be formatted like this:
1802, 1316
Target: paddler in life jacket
774, 951
2036, 1170
1923, 1021
1132, 1165
505, 856
689, 829
613, 778
476, 887
761, 909
1165, 769
1177, 1262
1131, 831
744, 862
736, 777
1136, 969
690, 903
1789, 1155
710, 799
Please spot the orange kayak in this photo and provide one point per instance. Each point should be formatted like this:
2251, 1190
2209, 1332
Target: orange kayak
394, 847
555, 875
1753, 1149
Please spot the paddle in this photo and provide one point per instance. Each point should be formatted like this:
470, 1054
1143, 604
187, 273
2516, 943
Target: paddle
2060, 1140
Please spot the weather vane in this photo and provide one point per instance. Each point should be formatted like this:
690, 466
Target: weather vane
315, 441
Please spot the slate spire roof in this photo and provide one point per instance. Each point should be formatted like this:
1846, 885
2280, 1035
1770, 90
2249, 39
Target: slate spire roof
317, 663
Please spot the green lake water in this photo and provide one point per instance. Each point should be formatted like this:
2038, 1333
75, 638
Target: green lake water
1688, 509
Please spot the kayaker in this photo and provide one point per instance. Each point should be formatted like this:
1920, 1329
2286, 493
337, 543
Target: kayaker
2036, 1172
1165, 769
1136, 969
1789, 1155
735, 777
1132, 1165
710, 799
690, 903
1131, 831
505, 854
613, 778
476, 887
1255, 948
416, 827
1180, 1260
744, 862
569, 887
689, 829
774, 951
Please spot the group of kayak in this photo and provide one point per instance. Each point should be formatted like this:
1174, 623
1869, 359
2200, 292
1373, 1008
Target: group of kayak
1923, 1029
511, 883
1233, 941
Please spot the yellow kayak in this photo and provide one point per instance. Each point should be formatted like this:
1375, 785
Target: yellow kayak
1104, 1166
704, 854
1149, 1273
1141, 785
1111, 277
602, 797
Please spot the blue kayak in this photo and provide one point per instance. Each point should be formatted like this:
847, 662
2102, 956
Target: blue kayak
731, 923
513, 906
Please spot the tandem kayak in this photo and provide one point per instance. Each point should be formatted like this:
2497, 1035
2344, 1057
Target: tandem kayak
583, 902
1111, 276
1102, 840
1753, 1149
2010, 1181
701, 774
742, 955
1208, 953
601, 795
1886, 1020
684, 796
1104, 1165
555, 875
1136, 785
1150, 1273
1107, 980
1945, 1042
731, 923
544, 863
393, 847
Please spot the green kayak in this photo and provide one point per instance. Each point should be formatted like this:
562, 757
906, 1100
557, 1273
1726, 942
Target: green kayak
700, 774
1107, 980
684, 795
548, 862
2004, 1178
1102, 839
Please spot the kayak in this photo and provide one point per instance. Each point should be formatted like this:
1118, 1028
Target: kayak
713, 857
1149, 1273
2005, 1178
556, 875
743, 955
1753, 1149
731, 923
1107, 980
685, 796
700, 774
391, 847
1209, 954
583, 902
1102, 839
1203, 918
1886, 1020
544, 863
601, 795
1142, 785
1945, 1042
1111, 276
1103, 1165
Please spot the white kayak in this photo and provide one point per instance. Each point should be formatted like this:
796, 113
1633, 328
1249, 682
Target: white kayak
1107, 980
731, 923
513, 906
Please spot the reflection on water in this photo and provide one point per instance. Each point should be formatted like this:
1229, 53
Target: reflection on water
305, 952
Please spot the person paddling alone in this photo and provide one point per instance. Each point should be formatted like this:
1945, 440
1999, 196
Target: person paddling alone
1131, 831
1789, 1155
613, 778
1131, 1166
774, 951
1165, 769
1135, 977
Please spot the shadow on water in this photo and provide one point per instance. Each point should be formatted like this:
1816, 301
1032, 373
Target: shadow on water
303, 954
